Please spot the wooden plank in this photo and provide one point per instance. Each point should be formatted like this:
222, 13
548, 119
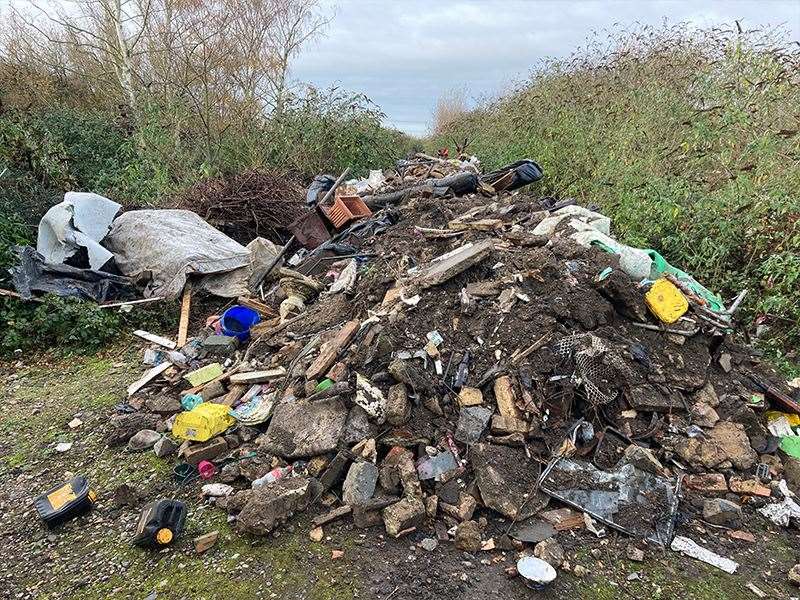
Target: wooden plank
132, 302
235, 393
330, 352
336, 513
262, 309
148, 377
186, 307
11, 294
155, 339
258, 376
506, 398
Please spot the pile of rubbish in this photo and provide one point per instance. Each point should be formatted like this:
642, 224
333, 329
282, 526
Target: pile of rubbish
482, 367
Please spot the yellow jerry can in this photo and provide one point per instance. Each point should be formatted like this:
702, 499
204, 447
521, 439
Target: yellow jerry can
666, 301
203, 422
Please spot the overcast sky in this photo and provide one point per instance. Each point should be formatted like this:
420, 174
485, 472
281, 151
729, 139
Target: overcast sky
405, 54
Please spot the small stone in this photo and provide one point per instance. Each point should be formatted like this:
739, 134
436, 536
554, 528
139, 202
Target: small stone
470, 397
580, 571
75, 423
407, 513
722, 512
634, 553
63, 446
143, 440
164, 447
429, 544
550, 551
472, 421
205, 542
316, 534
794, 575
743, 536
398, 408
725, 362
704, 415
643, 458
468, 536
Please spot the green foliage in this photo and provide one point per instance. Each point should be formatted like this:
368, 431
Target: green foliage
69, 325
687, 139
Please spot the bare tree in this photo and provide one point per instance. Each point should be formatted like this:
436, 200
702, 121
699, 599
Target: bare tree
296, 22
95, 37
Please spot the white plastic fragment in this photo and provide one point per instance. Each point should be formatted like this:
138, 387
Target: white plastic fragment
413, 301
783, 512
217, 489
370, 398
536, 572
690, 548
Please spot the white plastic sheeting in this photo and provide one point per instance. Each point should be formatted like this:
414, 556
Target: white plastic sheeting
82, 220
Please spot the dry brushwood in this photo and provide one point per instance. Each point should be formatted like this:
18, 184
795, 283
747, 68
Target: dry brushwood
248, 205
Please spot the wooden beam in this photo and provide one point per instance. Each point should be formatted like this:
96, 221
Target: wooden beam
183, 325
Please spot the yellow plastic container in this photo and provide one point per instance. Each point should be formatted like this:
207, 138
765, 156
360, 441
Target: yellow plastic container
792, 419
202, 422
666, 301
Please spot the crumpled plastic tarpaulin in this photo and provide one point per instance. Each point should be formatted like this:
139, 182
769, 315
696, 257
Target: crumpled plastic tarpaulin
173, 244
33, 274
82, 220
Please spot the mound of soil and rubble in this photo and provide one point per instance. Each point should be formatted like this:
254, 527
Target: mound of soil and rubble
476, 383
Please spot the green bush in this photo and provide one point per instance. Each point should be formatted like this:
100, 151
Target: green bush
70, 325
47, 151
687, 139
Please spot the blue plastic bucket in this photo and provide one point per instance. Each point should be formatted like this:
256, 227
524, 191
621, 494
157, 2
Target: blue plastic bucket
237, 321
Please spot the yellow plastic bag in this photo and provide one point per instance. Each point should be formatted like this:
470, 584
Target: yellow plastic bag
202, 422
666, 301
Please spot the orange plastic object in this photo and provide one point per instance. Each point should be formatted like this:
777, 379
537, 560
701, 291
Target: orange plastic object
346, 209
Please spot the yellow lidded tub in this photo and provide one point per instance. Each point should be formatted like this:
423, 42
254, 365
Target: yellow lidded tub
666, 301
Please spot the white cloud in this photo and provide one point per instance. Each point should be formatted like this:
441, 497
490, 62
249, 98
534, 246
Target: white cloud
404, 55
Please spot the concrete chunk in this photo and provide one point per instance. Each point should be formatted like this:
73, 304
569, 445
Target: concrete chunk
272, 505
398, 408
453, 263
722, 512
472, 421
506, 398
359, 485
409, 512
303, 429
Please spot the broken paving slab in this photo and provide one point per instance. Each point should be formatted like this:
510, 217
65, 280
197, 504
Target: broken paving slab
506, 478
304, 429
627, 499
451, 264
271, 505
